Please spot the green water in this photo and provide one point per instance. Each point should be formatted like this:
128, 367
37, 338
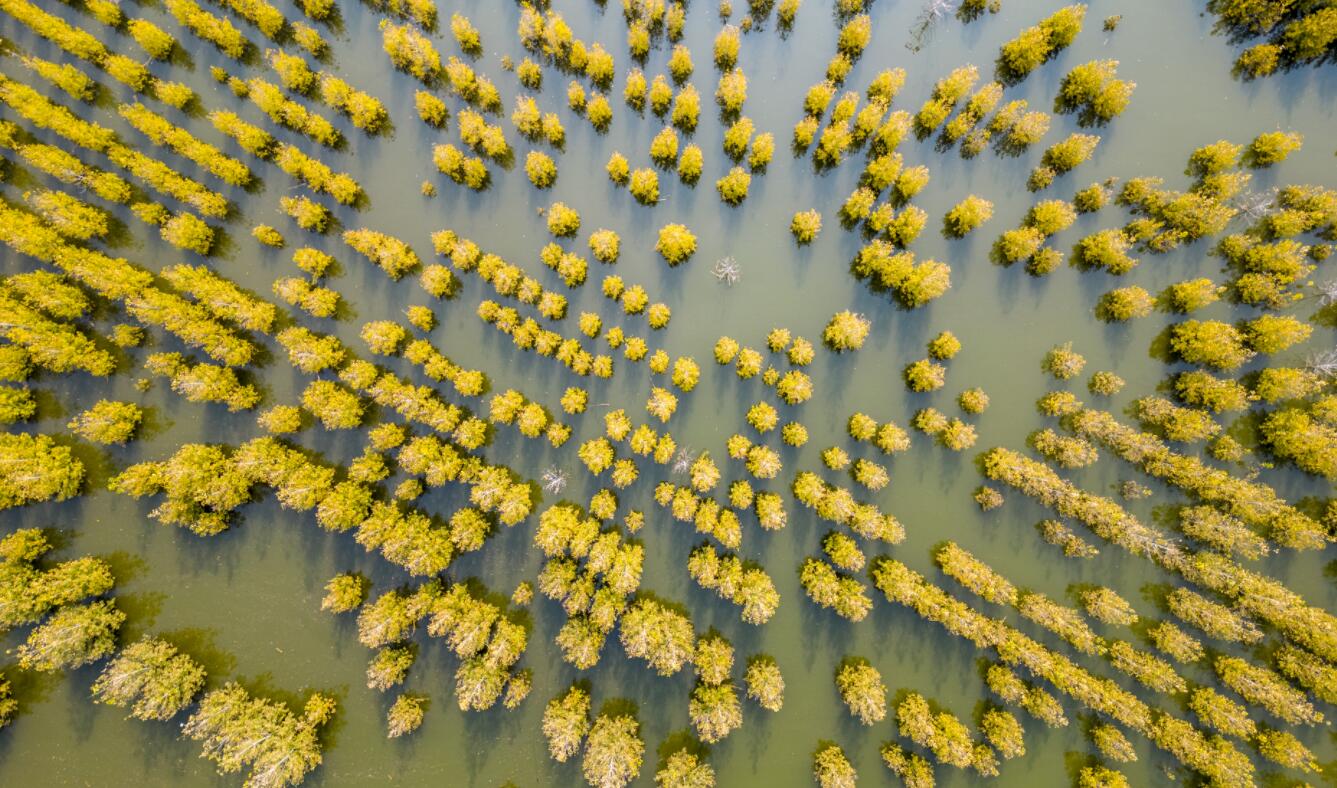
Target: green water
247, 602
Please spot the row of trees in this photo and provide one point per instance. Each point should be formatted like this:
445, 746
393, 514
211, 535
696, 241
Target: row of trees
119, 280
706, 514
216, 30
317, 175
1035, 45
54, 345
837, 505
162, 132
81, 44
713, 708
239, 731
1215, 759
67, 168
527, 334
1296, 35
1306, 626
203, 382
507, 280
1253, 502
749, 587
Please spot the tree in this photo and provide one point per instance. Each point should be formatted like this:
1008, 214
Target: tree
846, 331
1093, 89
613, 752
565, 723
733, 186
345, 592
562, 220
765, 684
335, 406
8, 706
914, 770
411, 51
1221, 714
827, 588
1004, 733
108, 422
1035, 45
405, 715
657, 634
239, 731
714, 711
1210, 343
1283, 748
56, 346
966, 216
684, 769
862, 690
831, 768
676, 243
975, 575
28, 593
924, 375
74, 636
1273, 147
541, 169
152, 678
943, 733
805, 226
1261, 687
1272, 334
1294, 435
392, 616
686, 109
726, 47
1062, 362
1124, 303
394, 256
33, 468
1105, 605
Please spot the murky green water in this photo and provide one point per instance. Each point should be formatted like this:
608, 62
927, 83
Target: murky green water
247, 602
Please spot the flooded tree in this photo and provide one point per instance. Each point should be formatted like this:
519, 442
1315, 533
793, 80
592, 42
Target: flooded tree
263, 737
74, 636
831, 768
862, 690
613, 752
151, 678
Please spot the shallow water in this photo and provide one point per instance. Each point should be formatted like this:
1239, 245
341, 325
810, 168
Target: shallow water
247, 602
